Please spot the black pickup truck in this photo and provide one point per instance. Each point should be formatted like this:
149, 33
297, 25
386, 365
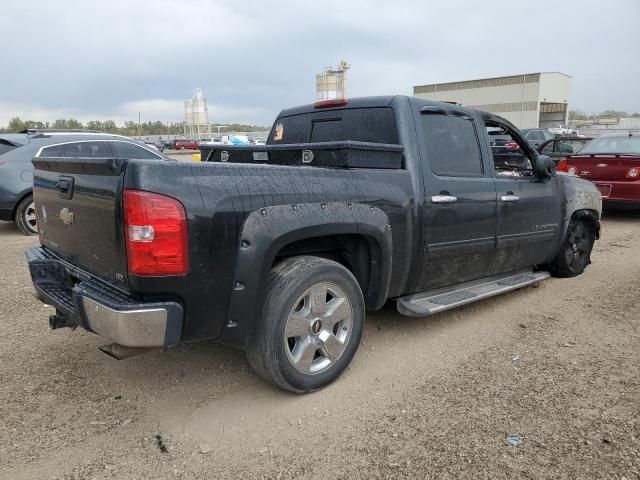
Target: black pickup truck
280, 249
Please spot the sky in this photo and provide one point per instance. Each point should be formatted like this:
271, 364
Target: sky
97, 59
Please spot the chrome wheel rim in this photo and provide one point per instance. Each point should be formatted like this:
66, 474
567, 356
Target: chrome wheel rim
318, 328
30, 217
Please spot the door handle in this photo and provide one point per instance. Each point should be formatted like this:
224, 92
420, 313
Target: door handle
509, 198
443, 199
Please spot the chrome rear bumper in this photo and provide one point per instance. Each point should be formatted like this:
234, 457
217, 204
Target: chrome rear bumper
82, 300
142, 327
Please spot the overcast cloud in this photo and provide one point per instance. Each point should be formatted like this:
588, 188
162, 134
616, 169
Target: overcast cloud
111, 59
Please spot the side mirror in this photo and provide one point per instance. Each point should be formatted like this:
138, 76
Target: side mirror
544, 167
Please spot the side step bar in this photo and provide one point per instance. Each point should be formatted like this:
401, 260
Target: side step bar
434, 301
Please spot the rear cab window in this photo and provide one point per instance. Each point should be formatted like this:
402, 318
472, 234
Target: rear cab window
371, 124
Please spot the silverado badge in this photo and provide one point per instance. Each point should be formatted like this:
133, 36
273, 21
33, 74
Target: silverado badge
66, 216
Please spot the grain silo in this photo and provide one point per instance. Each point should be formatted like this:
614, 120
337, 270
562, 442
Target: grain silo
332, 83
196, 116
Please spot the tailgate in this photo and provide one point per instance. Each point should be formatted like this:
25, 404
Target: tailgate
604, 167
78, 204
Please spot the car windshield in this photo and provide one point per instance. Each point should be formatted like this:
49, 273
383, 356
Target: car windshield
624, 145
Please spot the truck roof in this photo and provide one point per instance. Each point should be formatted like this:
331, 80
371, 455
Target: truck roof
379, 101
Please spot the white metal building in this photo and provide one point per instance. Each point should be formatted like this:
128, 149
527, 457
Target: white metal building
529, 100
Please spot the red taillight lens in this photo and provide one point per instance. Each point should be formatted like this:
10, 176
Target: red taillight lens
337, 102
633, 173
512, 145
156, 234
562, 166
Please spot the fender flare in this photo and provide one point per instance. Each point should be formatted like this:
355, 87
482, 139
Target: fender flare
267, 230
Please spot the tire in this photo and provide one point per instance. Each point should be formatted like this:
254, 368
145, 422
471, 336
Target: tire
297, 345
26, 216
575, 253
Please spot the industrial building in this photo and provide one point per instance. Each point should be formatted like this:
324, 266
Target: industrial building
530, 100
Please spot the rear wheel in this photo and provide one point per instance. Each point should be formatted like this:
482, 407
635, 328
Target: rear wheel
311, 327
26, 216
575, 254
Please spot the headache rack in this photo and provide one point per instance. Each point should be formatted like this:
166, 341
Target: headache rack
342, 154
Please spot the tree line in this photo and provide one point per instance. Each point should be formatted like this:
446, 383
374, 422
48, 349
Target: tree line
580, 115
129, 129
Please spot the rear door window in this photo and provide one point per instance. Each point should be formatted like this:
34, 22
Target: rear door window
51, 151
86, 150
452, 145
377, 125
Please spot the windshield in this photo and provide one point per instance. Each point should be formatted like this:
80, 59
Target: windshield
628, 145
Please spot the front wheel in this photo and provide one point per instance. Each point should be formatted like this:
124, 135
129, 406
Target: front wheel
575, 254
26, 216
311, 326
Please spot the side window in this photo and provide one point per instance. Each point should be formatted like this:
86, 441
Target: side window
86, 150
509, 157
452, 145
548, 148
575, 145
52, 151
535, 135
131, 151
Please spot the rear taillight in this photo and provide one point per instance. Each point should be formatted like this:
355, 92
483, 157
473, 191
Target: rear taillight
633, 173
156, 234
336, 102
512, 145
562, 166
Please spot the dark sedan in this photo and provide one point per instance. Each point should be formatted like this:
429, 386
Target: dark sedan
537, 136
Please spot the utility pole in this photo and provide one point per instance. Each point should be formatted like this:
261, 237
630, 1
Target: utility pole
139, 126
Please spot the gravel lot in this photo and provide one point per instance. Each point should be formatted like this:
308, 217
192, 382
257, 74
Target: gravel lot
557, 367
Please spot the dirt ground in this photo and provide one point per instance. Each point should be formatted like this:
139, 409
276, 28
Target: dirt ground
555, 370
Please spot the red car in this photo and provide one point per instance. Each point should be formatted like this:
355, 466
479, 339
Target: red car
612, 163
186, 145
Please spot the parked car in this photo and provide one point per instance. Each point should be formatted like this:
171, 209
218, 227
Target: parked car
562, 130
16, 169
559, 148
185, 145
351, 203
612, 163
537, 136
155, 144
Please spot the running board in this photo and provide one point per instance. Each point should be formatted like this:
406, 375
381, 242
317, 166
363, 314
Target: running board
434, 301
